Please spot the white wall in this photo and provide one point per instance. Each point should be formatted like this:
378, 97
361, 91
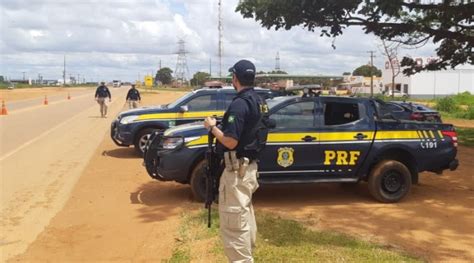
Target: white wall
435, 83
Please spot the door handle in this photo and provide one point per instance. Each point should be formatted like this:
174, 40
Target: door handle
308, 138
360, 136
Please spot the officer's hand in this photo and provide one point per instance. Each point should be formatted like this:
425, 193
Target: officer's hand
209, 121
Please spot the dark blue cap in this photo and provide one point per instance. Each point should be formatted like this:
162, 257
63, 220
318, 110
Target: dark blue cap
244, 70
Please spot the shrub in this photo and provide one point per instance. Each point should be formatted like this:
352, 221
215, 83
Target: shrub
447, 104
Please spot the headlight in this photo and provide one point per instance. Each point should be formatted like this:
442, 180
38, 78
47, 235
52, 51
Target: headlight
128, 119
172, 142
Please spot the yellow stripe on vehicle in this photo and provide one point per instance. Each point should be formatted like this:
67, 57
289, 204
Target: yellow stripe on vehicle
440, 134
426, 134
178, 116
432, 134
387, 135
344, 136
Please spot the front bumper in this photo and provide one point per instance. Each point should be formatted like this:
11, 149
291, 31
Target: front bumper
175, 165
119, 136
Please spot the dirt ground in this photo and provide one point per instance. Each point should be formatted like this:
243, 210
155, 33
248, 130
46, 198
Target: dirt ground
117, 213
30, 93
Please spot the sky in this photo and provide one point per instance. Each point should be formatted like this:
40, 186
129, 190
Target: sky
126, 39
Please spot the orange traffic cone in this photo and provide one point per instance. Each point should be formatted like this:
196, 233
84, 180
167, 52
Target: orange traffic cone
4, 109
45, 100
68, 96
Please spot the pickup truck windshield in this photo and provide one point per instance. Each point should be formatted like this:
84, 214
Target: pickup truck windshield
180, 100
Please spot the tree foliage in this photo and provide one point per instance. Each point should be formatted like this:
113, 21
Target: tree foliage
199, 78
367, 71
164, 75
447, 23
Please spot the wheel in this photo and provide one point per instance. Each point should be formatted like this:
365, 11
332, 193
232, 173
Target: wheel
198, 181
141, 139
389, 181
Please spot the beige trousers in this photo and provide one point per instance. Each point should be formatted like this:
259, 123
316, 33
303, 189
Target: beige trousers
132, 104
238, 228
103, 106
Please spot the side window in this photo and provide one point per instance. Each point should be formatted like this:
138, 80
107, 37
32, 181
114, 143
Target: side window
389, 108
337, 113
203, 103
228, 99
295, 116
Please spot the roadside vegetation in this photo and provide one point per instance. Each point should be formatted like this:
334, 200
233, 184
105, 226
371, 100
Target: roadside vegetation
465, 136
458, 106
278, 240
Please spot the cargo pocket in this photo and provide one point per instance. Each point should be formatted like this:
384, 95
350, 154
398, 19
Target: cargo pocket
231, 217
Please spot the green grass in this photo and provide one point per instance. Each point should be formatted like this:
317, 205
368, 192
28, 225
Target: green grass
465, 136
281, 240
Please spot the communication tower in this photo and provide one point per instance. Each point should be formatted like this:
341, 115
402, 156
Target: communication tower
182, 70
277, 61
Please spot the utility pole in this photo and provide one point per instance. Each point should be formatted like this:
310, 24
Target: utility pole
277, 61
64, 71
210, 67
371, 72
23, 75
221, 29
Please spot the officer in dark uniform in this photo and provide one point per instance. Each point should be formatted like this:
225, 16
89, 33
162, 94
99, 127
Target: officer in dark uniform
101, 95
236, 139
133, 97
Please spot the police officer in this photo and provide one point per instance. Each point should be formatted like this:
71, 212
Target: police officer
239, 178
101, 95
133, 97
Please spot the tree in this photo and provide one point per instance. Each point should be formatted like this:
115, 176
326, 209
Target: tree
390, 50
367, 71
199, 78
346, 74
446, 23
164, 75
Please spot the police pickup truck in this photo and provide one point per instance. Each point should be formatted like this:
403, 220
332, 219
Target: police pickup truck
321, 139
133, 127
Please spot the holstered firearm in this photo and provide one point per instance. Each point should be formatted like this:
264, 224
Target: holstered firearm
212, 176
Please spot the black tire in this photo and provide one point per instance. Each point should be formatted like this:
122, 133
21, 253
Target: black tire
141, 139
198, 181
389, 181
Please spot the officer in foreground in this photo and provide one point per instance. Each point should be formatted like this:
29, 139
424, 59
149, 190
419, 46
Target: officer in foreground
101, 95
133, 97
236, 140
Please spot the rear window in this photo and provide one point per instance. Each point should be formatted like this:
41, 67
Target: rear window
338, 113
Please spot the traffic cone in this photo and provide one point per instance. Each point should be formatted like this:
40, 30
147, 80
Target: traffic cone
68, 96
45, 100
4, 109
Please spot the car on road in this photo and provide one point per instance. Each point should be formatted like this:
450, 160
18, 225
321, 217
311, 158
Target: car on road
134, 127
404, 110
320, 139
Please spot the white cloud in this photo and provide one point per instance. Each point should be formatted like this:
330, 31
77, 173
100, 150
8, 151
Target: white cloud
112, 39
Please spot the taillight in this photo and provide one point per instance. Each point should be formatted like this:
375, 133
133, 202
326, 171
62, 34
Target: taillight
453, 135
416, 116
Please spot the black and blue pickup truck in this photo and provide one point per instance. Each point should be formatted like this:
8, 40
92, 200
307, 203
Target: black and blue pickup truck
133, 127
321, 139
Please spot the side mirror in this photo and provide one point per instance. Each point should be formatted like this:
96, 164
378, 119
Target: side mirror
271, 124
183, 108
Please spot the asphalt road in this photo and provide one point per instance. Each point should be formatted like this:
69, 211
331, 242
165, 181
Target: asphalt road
43, 151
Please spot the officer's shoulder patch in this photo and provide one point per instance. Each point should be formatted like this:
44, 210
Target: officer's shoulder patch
231, 119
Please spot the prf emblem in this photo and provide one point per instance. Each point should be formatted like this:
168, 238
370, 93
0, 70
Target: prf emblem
285, 156
341, 157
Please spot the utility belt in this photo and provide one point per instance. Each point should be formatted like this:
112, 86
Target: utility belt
234, 164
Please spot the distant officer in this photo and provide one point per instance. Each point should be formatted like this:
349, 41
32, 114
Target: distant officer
239, 179
133, 97
101, 95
